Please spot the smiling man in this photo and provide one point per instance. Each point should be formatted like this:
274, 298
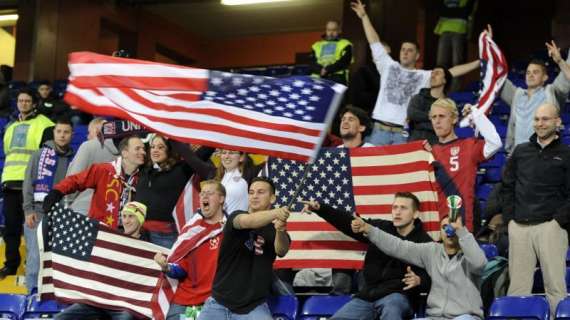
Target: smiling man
113, 183
536, 195
390, 285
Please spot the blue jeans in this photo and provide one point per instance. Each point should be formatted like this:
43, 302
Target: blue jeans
86, 312
392, 307
163, 239
381, 137
32, 255
176, 312
213, 310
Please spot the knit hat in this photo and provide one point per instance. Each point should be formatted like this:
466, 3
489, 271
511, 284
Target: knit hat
136, 208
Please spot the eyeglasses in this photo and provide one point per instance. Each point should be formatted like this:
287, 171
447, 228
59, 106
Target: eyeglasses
207, 194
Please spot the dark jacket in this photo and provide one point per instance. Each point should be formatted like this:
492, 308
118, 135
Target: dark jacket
418, 117
536, 183
382, 274
159, 190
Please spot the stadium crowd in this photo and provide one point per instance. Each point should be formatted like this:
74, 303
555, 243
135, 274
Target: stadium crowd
131, 181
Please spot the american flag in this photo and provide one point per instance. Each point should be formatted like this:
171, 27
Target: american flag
186, 205
286, 118
83, 261
361, 180
494, 71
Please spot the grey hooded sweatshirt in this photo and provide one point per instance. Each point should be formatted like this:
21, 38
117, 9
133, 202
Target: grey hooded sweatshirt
454, 280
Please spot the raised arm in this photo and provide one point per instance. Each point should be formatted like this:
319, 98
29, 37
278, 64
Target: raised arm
360, 10
418, 254
465, 68
254, 220
473, 254
554, 53
338, 218
492, 139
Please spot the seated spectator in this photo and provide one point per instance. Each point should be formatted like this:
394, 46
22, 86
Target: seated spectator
49, 105
114, 183
195, 267
132, 215
252, 240
390, 286
419, 123
46, 167
455, 267
524, 102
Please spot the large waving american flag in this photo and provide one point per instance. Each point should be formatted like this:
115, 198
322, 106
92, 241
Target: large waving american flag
494, 71
285, 117
362, 180
83, 261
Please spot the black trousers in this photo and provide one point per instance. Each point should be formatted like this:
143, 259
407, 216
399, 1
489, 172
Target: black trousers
14, 220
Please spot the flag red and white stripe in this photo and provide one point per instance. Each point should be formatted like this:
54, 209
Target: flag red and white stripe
377, 174
171, 100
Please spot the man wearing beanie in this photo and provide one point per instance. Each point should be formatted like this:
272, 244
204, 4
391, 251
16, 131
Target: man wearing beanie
133, 216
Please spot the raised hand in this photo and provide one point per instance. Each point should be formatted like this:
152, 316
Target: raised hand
411, 279
280, 225
160, 259
359, 226
458, 224
281, 213
309, 206
358, 8
489, 31
553, 51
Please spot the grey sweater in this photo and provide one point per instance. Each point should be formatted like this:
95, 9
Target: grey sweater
454, 289
29, 205
89, 152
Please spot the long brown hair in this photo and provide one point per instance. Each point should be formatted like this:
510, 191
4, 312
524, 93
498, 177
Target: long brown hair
171, 157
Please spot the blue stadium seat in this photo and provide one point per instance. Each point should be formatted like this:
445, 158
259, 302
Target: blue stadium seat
12, 306
317, 307
46, 309
283, 307
563, 309
490, 250
484, 190
526, 307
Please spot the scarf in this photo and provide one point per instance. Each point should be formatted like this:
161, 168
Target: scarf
193, 234
128, 187
45, 175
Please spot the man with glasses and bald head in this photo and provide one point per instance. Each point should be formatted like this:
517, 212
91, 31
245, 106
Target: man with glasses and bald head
536, 190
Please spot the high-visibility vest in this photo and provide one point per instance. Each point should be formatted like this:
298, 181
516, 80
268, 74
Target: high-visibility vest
456, 25
329, 52
21, 139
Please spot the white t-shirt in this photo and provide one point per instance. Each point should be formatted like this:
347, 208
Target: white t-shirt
236, 191
397, 86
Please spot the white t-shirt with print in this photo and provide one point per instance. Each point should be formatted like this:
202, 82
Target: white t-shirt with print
397, 86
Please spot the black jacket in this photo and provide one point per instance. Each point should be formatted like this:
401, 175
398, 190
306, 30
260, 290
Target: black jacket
536, 183
382, 274
418, 116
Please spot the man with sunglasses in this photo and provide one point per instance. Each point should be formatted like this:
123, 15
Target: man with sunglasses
454, 265
536, 190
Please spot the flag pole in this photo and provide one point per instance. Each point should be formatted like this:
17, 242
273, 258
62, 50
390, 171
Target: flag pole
301, 185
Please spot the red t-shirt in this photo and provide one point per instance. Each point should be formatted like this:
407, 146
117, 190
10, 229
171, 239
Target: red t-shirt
200, 265
460, 159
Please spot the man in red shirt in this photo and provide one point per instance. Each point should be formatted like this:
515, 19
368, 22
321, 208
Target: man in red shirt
194, 256
113, 183
457, 159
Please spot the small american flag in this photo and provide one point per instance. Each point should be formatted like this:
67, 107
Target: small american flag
286, 118
494, 71
83, 261
360, 179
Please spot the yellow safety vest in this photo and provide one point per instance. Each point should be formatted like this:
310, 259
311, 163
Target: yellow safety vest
21, 139
329, 52
456, 25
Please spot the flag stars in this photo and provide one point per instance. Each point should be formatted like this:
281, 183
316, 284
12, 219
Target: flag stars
286, 89
298, 83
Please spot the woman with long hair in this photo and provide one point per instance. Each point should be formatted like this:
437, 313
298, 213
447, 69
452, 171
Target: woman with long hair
160, 184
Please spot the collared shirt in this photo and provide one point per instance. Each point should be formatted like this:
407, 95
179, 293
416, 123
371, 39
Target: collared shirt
524, 108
